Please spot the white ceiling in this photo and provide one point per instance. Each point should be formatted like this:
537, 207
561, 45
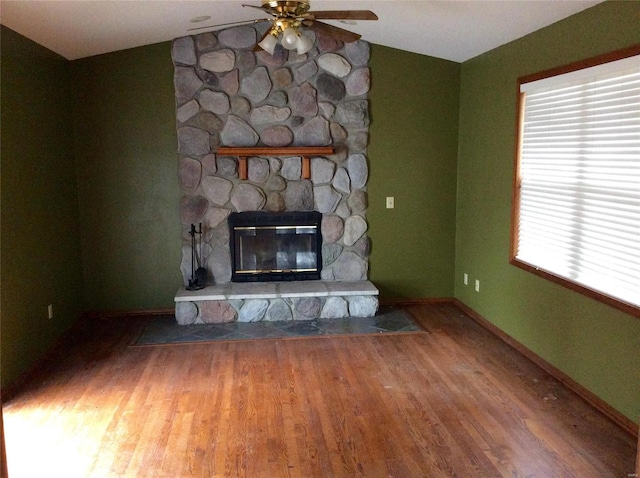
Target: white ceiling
451, 29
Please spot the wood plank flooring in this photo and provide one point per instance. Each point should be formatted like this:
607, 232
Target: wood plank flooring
450, 401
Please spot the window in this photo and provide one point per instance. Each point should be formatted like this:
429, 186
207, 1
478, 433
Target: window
576, 214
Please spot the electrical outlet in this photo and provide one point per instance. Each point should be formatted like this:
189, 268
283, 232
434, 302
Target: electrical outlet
465, 279
50, 311
477, 285
390, 202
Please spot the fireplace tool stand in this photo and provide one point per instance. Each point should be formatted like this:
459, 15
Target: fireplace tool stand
198, 276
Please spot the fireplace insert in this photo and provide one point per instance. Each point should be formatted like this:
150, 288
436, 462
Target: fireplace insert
275, 246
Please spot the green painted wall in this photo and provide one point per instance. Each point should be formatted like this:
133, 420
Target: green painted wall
40, 254
412, 157
126, 149
594, 344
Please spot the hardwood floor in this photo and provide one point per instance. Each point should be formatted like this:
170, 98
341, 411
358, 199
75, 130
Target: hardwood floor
450, 401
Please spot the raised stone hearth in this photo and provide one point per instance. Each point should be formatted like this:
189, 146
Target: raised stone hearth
275, 301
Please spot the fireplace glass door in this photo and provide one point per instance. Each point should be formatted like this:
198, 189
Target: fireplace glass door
275, 247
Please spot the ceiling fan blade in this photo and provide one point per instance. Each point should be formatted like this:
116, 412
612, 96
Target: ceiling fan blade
262, 9
210, 27
344, 15
334, 32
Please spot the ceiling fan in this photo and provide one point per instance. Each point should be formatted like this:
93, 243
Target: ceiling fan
288, 17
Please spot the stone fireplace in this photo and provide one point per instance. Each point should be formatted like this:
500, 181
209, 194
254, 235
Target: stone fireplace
229, 96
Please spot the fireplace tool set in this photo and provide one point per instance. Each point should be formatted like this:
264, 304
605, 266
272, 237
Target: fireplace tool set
198, 276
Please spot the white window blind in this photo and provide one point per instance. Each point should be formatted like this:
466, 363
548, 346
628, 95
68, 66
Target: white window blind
579, 166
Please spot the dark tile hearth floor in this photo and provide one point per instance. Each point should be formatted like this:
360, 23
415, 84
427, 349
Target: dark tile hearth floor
165, 330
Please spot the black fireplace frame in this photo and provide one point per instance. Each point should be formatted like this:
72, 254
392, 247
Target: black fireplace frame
261, 219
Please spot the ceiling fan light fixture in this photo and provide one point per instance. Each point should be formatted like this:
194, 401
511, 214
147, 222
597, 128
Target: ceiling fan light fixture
303, 45
269, 42
289, 38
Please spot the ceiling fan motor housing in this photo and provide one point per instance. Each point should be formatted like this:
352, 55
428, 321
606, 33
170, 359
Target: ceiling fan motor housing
294, 8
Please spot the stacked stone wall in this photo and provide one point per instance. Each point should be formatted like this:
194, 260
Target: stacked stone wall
228, 95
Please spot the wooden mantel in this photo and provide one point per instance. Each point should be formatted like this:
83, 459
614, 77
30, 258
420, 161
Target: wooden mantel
305, 151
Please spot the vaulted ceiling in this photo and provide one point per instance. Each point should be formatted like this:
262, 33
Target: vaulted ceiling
448, 29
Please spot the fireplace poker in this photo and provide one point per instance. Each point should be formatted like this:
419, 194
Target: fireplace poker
194, 284
201, 272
